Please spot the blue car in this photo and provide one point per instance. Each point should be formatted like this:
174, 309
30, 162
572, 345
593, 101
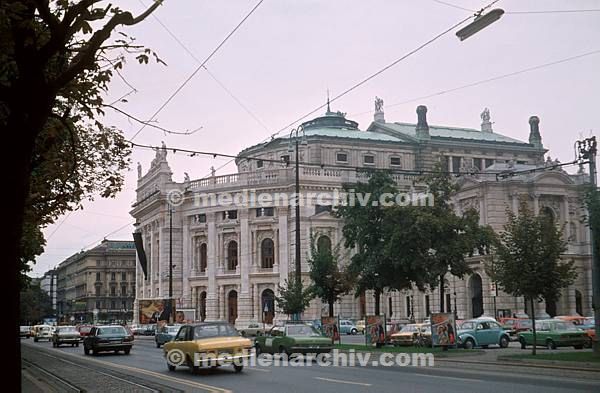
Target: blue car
482, 333
166, 334
348, 327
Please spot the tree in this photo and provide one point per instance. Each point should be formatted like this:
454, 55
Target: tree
529, 259
35, 305
293, 297
450, 238
57, 60
591, 199
329, 280
363, 231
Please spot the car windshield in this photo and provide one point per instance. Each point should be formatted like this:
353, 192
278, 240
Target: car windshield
525, 323
109, 331
173, 329
85, 329
564, 326
214, 330
302, 330
408, 329
67, 329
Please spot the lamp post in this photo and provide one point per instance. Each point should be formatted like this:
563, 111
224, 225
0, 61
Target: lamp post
586, 150
294, 146
170, 252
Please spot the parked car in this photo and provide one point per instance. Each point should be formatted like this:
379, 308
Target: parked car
218, 338
576, 320
148, 330
514, 326
65, 335
392, 328
107, 338
42, 332
293, 339
252, 330
25, 331
347, 327
166, 334
412, 334
589, 326
553, 333
482, 333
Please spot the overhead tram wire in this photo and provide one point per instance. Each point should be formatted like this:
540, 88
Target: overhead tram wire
522, 12
492, 79
413, 172
108, 234
197, 69
217, 81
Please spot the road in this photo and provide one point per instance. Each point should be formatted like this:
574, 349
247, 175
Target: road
144, 370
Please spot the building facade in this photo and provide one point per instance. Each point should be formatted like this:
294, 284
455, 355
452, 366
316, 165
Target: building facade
97, 285
48, 285
233, 236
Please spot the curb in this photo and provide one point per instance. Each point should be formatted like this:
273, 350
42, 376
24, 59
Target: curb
553, 364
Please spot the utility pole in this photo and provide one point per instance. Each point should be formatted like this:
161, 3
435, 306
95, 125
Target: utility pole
170, 252
586, 150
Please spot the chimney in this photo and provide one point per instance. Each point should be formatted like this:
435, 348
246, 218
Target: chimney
422, 128
534, 132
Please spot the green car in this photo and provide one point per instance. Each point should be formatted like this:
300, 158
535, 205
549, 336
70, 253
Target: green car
293, 339
552, 333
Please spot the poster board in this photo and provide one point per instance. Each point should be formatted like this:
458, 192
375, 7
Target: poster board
375, 329
157, 311
443, 330
331, 328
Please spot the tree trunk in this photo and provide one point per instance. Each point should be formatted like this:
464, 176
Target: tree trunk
442, 292
331, 303
377, 296
533, 326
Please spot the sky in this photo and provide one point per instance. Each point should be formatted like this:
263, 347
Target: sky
282, 61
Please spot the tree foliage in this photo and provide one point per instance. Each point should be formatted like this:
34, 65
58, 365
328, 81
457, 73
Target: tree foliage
529, 259
293, 297
35, 305
329, 280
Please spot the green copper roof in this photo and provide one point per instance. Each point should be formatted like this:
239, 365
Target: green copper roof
454, 133
352, 134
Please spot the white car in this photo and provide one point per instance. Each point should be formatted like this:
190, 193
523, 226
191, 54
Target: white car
42, 332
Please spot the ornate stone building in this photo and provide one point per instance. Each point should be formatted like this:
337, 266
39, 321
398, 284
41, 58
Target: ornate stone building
228, 258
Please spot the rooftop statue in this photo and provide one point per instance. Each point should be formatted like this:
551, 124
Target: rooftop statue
378, 104
485, 115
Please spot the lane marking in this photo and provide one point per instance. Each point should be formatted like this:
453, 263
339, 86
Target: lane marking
345, 382
208, 388
452, 378
258, 369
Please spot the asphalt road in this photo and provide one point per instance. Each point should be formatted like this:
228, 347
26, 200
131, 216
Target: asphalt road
146, 367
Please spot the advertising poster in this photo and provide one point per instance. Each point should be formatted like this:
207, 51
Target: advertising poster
443, 329
158, 311
185, 315
330, 327
375, 330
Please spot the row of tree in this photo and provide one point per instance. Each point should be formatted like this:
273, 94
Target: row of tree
397, 247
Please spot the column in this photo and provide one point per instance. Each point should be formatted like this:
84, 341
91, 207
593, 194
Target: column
276, 247
162, 260
187, 265
152, 262
567, 218
244, 303
536, 203
515, 202
284, 263
254, 253
211, 268
222, 303
571, 300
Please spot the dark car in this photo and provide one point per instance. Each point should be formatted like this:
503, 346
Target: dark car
148, 330
107, 338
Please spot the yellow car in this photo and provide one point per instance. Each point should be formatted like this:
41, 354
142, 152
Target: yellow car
413, 334
207, 344
360, 325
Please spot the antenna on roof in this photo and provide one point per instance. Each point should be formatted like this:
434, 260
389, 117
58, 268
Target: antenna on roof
328, 108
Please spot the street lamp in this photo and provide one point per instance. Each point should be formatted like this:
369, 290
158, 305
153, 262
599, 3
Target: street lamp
294, 146
481, 22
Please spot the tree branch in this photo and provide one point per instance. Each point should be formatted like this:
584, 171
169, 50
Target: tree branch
150, 124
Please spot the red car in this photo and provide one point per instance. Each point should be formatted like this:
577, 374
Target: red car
84, 330
516, 325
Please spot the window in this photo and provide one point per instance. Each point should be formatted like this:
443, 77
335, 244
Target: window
200, 218
123, 290
408, 307
390, 311
230, 215
98, 304
477, 163
456, 161
285, 159
322, 208
521, 162
259, 163
267, 254
203, 257
427, 306
98, 291
448, 303
113, 276
98, 276
324, 244
341, 157
265, 212
395, 161
113, 305
489, 162
113, 291
124, 276
124, 305
232, 255
369, 159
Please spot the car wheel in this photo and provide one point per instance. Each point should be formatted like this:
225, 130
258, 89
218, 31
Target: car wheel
522, 342
193, 369
588, 343
238, 367
550, 344
53, 344
485, 346
95, 352
469, 343
35, 339
157, 345
171, 367
243, 333
504, 341
283, 351
85, 350
258, 350
127, 351
77, 345
578, 346
354, 331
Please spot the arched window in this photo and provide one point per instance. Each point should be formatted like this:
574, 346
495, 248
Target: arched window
267, 306
202, 306
232, 255
267, 254
578, 302
203, 257
390, 308
324, 244
549, 213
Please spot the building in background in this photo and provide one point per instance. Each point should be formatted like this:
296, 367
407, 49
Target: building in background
48, 285
228, 259
97, 284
